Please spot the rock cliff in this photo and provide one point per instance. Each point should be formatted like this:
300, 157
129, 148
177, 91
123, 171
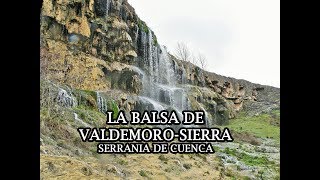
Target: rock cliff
98, 55
102, 45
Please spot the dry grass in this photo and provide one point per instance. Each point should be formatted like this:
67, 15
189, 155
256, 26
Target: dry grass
136, 167
246, 137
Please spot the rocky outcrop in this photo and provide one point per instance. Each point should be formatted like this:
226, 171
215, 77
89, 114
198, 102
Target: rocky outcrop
102, 45
76, 69
240, 94
102, 28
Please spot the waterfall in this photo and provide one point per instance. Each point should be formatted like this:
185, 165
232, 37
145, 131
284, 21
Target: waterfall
154, 104
108, 6
208, 123
66, 99
183, 76
166, 68
101, 102
137, 34
215, 113
139, 71
159, 77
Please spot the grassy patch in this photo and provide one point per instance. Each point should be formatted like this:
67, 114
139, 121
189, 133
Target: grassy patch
89, 115
216, 148
248, 159
143, 173
230, 151
254, 161
262, 126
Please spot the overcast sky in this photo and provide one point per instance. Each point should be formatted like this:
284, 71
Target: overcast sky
240, 38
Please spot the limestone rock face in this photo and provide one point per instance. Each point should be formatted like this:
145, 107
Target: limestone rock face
77, 70
79, 38
71, 14
102, 7
238, 94
96, 44
105, 27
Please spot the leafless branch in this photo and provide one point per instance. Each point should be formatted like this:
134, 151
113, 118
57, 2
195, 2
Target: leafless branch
202, 61
183, 52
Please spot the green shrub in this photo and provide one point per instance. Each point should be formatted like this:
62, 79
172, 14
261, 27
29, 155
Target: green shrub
143, 173
115, 110
187, 166
162, 158
229, 151
143, 26
253, 161
247, 159
122, 162
112, 106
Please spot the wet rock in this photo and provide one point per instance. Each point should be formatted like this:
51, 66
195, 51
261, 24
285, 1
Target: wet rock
131, 53
73, 38
102, 7
66, 99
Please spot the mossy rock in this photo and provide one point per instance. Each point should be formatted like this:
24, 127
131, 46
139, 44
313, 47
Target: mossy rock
143, 26
112, 106
86, 98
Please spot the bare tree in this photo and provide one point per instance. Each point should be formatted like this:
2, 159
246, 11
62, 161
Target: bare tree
194, 59
183, 52
202, 61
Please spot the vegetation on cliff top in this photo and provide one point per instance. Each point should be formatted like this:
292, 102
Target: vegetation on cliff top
143, 26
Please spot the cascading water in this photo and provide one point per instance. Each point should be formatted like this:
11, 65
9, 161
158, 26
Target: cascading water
66, 99
215, 113
102, 105
137, 34
108, 6
159, 79
206, 117
155, 105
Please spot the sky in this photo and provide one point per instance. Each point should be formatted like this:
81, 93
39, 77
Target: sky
239, 38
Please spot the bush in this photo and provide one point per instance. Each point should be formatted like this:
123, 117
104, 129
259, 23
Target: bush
143, 26
122, 162
114, 108
162, 158
187, 166
143, 173
252, 160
